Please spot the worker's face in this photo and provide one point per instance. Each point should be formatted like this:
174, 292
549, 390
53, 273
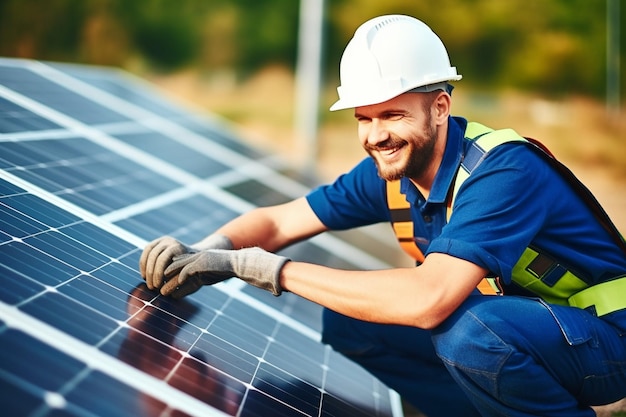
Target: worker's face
399, 135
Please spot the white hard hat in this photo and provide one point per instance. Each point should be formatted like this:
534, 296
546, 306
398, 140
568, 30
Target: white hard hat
388, 56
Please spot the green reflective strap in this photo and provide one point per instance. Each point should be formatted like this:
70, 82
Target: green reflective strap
498, 137
605, 298
525, 276
473, 130
486, 139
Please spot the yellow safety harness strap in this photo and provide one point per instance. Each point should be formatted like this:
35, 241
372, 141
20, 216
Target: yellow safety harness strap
402, 223
603, 298
489, 139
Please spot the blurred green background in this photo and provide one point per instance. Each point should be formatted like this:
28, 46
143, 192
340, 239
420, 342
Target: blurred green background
552, 46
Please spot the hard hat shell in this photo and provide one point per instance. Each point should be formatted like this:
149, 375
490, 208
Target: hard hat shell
390, 55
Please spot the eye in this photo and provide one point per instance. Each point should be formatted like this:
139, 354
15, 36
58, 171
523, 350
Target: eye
394, 116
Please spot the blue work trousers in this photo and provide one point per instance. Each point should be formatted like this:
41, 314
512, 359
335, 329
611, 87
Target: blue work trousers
495, 356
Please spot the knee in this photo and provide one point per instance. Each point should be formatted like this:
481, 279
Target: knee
451, 337
470, 338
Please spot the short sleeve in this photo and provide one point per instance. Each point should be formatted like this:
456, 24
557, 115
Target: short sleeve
355, 199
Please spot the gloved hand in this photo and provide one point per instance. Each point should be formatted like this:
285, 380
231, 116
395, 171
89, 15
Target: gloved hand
253, 265
159, 253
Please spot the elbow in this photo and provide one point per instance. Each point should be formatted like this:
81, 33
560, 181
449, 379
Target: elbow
432, 321
425, 320
432, 316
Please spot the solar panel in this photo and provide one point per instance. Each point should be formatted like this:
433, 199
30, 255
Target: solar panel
94, 164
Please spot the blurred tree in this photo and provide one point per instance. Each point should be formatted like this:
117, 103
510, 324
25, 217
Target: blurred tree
267, 33
103, 40
167, 33
563, 48
552, 46
44, 30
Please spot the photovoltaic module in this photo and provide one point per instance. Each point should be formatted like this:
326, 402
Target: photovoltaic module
93, 165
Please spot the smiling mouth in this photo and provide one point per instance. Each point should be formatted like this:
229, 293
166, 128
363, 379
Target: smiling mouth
390, 152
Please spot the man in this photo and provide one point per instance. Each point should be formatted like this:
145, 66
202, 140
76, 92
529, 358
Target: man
426, 331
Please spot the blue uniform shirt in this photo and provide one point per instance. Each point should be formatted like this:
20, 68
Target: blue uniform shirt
512, 200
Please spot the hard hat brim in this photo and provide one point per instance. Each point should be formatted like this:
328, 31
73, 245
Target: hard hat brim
353, 102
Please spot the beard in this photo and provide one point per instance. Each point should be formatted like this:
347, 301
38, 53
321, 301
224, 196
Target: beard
420, 152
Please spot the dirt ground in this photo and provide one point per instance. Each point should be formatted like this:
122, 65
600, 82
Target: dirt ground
579, 131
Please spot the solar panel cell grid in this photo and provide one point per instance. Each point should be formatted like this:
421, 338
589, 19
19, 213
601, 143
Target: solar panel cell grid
188, 219
83, 173
123, 86
27, 358
80, 334
184, 157
58, 97
220, 136
258, 193
15, 288
14, 118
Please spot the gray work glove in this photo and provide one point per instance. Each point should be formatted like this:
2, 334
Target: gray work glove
253, 265
158, 255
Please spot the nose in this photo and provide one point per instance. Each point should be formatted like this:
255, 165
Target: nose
377, 132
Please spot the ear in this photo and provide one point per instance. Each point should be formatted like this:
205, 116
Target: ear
441, 108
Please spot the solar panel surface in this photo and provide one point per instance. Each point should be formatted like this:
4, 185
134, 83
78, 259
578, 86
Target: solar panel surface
93, 164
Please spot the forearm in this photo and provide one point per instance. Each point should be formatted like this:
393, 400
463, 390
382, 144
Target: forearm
240, 232
418, 296
382, 296
273, 228
254, 228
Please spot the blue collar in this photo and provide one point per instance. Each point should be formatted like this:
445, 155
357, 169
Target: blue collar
447, 170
